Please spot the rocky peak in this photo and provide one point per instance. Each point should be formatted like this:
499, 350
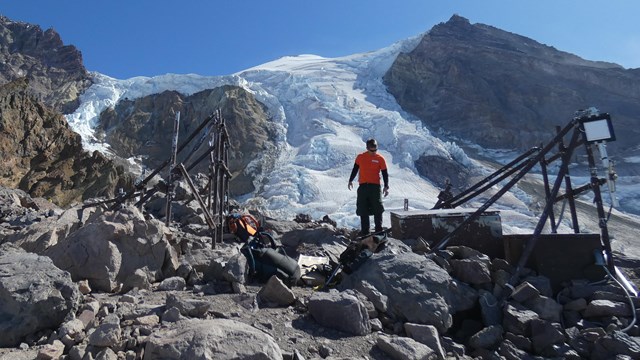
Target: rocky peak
55, 71
488, 38
456, 25
503, 90
142, 127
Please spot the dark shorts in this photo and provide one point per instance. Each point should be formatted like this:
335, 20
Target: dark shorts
369, 200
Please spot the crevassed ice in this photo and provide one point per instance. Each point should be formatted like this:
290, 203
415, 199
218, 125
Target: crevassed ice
324, 110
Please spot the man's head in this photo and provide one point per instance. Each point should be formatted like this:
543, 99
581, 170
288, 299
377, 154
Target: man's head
372, 145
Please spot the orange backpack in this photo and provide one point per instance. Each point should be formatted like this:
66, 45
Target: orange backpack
243, 226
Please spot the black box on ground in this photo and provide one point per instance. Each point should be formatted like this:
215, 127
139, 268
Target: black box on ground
560, 257
483, 234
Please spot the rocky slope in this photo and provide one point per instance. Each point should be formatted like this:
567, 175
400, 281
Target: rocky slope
502, 90
44, 157
55, 71
125, 286
143, 127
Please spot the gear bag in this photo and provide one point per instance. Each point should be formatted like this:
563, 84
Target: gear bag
266, 259
360, 251
244, 226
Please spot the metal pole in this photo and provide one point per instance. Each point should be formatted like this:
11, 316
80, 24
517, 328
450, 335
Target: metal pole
224, 206
207, 215
488, 185
604, 231
543, 218
529, 165
547, 191
170, 177
568, 188
220, 175
579, 190
146, 180
571, 197
523, 157
212, 172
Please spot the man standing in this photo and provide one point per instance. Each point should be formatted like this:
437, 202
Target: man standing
370, 164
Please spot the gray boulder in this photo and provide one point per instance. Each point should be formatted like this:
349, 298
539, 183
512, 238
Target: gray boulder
341, 311
489, 309
471, 271
547, 308
403, 348
235, 270
487, 338
111, 247
51, 351
172, 283
524, 292
211, 339
619, 343
517, 319
187, 307
34, 295
425, 334
275, 293
39, 236
510, 352
378, 300
544, 335
599, 308
212, 263
417, 289
108, 333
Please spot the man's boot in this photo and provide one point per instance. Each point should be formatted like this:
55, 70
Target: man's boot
364, 225
377, 219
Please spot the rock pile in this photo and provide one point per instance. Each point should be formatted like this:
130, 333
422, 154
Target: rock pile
97, 284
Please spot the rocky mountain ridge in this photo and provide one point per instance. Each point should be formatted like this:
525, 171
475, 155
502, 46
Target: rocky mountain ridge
55, 71
501, 90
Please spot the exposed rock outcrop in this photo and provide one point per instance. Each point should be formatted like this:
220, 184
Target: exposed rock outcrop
220, 339
502, 90
143, 127
34, 295
55, 71
44, 157
438, 170
417, 289
109, 249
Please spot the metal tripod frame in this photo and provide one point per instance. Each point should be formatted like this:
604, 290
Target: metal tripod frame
521, 166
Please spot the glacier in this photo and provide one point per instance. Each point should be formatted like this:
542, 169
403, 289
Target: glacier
325, 108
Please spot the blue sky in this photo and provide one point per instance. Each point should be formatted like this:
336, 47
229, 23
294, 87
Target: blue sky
126, 38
